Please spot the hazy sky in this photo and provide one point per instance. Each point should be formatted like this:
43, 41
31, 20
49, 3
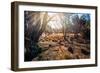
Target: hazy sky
56, 21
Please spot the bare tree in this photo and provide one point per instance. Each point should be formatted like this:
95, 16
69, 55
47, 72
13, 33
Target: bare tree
35, 24
65, 18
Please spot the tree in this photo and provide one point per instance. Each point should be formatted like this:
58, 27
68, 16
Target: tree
35, 24
65, 22
76, 23
85, 23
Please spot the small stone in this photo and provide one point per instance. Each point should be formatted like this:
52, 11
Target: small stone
70, 49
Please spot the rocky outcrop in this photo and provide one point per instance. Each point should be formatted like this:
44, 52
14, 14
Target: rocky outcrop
60, 49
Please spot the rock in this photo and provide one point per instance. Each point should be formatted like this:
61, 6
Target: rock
85, 52
70, 49
55, 47
32, 52
54, 53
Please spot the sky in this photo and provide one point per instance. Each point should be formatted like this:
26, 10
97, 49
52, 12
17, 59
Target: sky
56, 22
